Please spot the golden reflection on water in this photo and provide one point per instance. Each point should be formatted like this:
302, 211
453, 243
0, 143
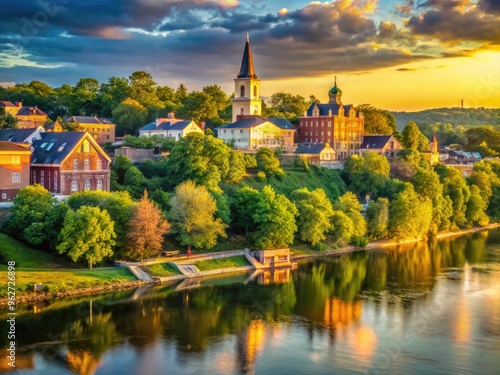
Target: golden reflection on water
82, 362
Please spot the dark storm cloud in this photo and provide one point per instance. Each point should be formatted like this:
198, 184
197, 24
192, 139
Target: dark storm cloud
450, 24
489, 6
405, 8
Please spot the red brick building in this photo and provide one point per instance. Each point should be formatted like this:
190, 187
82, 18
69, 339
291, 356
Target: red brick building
339, 125
14, 169
69, 162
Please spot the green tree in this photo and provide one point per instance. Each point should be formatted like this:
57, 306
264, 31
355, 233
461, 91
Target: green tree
413, 138
198, 105
134, 181
377, 121
130, 115
83, 99
120, 166
243, 207
237, 167
87, 233
112, 93
410, 214
288, 105
315, 211
274, 218
368, 173
7, 121
476, 207
29, 212
348, 203
53, 223
199, 158
377, 218
342, 226
268, 162
192, 215
146, 229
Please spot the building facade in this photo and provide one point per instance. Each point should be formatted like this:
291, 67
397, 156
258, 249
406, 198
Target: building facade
334, 123
170, 127
69, 162
385, 145
14, 169
27, 116
102, 129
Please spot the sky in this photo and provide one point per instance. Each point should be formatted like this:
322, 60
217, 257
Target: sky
393, 54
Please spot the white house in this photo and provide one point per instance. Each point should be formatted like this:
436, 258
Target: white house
170, 127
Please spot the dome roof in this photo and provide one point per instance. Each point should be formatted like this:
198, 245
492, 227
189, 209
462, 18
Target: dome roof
335, 90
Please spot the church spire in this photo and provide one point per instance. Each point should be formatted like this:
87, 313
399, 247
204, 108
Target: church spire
247, 70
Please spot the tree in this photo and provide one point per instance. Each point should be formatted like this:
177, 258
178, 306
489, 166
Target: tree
199, 158
377, 218
146, 229
342, 226
476, 207
243, 207
53, 224
368, 173
377, 121
130, 115
198, 105
134, 181
29, 213
413, 138
112, 93
268, 162
83, 99
120, 166
237, 167
289, 105
192, 215
87, 233
7, 121
274, 218
315, 211
410, 214
348, 203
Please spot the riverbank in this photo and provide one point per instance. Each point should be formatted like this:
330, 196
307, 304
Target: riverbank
30, 297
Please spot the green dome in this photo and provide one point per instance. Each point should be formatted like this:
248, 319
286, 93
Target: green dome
335, 90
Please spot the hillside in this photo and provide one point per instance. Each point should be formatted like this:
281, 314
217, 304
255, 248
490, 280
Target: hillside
455, 116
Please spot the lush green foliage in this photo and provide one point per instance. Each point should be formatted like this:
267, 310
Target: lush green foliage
192, 215
87, 233
215, 264
413, 138
268, 162
377, 121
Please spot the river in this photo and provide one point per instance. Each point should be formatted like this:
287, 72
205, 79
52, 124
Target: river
425, 308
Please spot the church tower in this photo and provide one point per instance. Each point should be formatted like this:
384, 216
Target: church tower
335, 94
246, 87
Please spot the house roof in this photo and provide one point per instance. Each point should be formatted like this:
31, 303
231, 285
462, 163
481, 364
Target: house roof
464, 154
252, 121
311, 148
53, 148
247, 70
374, 141
324, 109
7, 104
280, 122
30, 111
166, 125
6, 146
52, 125
90, 120
16, 135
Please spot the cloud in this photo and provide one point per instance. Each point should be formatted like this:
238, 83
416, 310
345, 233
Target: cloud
489, 6
405, 8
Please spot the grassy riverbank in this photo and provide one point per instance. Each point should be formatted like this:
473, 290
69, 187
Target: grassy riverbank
215, 264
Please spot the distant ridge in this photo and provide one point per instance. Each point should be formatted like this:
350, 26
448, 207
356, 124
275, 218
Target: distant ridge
455, 116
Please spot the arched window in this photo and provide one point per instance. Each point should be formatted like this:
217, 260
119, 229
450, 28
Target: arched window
99, 184
75, 165
242, 90
87, 165
87, 184
255, 91
256, 110
74, 185
242, 111
99, 165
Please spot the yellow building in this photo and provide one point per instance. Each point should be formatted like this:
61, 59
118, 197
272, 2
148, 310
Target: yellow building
102, 129
27, 116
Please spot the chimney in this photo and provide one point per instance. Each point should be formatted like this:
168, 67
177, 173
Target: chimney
19, 104
171, 115
202, 125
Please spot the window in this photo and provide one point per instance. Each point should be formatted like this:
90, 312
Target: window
99, 184
16, 177
74, 185
16, 160
87, 165
255, 91
34, 177
42, 181
242, 90
55, 184
99, 165
87, 184
75, 165
242, 111
4, 195
86, 146
49, 181
61, 147
42, 173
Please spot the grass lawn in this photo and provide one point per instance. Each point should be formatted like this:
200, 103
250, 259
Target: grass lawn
26, 257
215, 264
161, 269
64, 280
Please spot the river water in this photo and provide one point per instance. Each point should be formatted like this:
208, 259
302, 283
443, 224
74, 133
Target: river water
416, 309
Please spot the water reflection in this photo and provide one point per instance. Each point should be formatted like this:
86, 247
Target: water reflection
348, 308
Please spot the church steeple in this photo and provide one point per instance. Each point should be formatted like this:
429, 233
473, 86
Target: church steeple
335, 94
246, 100
247, 70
